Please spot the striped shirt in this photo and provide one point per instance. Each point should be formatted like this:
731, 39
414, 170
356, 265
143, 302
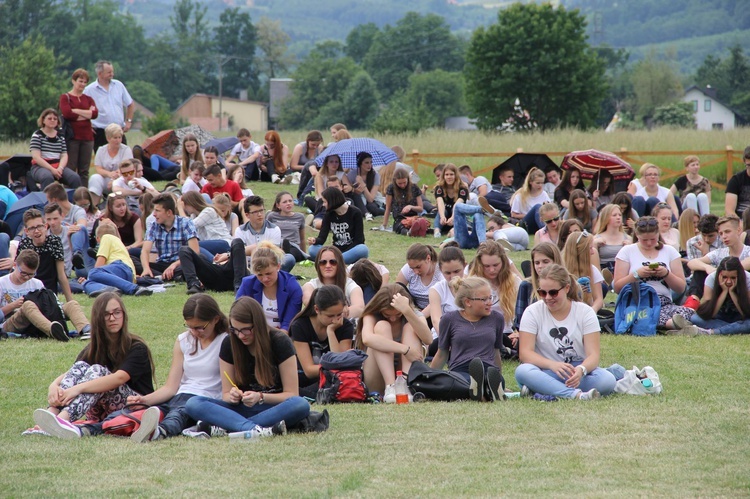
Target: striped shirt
52, 148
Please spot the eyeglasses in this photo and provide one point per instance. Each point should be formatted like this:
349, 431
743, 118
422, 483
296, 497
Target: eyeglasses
331, 262
25, 274
36, 228
552, 292
256, 212
556, 219
245, 331
198, 329
115, 314
642, 224
485, 300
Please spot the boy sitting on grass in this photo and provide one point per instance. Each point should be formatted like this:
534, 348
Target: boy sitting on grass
19, 314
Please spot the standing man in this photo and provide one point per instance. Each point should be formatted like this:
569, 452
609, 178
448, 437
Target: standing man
111, 97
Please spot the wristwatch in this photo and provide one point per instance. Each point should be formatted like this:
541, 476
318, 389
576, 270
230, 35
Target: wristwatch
583, 368
262, 399
636, 276
129, 120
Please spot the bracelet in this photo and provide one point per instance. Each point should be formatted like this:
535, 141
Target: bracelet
583, 368
407, 350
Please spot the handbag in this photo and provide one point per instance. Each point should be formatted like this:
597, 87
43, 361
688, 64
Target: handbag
639, 382
129, 420
436, 384
66, 129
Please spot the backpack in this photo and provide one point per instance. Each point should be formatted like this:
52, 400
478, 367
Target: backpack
47, 303
436, 384
341, 377
637, 310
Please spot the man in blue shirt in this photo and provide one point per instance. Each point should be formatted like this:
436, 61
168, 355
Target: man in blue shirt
111, 97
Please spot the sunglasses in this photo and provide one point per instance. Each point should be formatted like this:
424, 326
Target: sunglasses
332, 262
556, 219
582, 234
114, 194
642, 224
552, 292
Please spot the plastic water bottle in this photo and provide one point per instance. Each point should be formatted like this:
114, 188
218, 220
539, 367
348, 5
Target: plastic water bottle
647, 383
402, 390
585, 284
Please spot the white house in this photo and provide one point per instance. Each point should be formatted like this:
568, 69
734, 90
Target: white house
710, 113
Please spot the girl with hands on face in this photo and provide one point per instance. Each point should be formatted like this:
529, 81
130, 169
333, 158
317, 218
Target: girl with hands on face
559, 343
260, 389
391, 327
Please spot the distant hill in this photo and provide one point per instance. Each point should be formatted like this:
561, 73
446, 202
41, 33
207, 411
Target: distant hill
691, 28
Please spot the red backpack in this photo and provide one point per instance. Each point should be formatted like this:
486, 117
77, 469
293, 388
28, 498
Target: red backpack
341, 385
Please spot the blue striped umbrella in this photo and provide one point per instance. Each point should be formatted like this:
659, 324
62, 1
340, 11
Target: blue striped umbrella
348, 149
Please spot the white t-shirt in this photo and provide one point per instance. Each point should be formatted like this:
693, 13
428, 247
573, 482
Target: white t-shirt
211, 227
661, 195
271, 311
633, 256
191, 186
350, 286
10, 292
242, 153
560, 341
532, 201
447, 300
109, 163
418, 290
200, 370
717, 255
478, 182
121, 183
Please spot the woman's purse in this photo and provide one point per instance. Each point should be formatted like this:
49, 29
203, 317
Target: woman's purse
129, 420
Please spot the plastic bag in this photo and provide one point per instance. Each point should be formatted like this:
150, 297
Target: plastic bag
640, 382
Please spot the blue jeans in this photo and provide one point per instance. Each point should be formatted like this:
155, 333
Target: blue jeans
533, 220
461, 233
239, 417
161, 163
722, 327
353, 255
547, 382
116, 274
214, 246
176, 417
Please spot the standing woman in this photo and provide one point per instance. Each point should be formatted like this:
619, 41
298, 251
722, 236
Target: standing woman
49, 153
526, 201
332, 272
260, 391
472, 336
277, 291
559, 343
634, 263
392, 333
571, 180
79, 109
449, 191
365, 185
320, 327
191, 152
274, 158
194, 371
107, 162
419, 274
345, 222
114, 366
492, 264
610, 237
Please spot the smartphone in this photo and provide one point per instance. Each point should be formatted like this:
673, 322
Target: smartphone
355, 185
653, 265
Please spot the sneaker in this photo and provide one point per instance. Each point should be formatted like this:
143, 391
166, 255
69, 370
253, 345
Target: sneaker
255, 433
211, 430
419, 228
692, 302
389, 397
608, 277
85, 331
78, 260
680, 322
92, 253
590, 395
476, 374
36, 431
192, 432
149, 424
494, 381
486, 206
505, 244
105, 289
436, 233
526, 392
57, 331
56, 426
368, 216
287, 179
544, 398
141, 291
195, 289
691, 331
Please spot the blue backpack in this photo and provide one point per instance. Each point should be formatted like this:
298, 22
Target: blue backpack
637, 310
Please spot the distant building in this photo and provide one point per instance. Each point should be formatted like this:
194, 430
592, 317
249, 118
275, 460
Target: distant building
280, 89
203, 110
710, 113
141, 113
460, 123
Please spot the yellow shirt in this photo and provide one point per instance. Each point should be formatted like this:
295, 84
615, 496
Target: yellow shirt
112, 249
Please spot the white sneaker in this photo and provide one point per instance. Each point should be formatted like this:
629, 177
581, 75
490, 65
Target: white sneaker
275, 178
368, 216
296, 177
56, 426
389, 397
149, 424
254, 434
436, 233
590, 395
287, 179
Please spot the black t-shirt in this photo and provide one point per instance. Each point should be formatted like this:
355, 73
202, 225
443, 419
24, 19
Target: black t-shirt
561, 194
137, 365
281, 349
348, 229
402, 199
49, 253
440, 192
302, 330
739, 185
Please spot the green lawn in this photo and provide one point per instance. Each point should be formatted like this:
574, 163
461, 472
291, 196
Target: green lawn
693, 440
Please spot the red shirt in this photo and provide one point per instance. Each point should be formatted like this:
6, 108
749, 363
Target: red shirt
231, 187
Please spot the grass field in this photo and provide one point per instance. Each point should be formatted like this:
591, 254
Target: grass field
693, 440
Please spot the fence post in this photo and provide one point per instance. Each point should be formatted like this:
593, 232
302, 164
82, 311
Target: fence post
730, 166
415, 159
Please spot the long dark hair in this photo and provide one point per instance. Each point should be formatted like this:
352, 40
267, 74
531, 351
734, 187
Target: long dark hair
365, 272
370, 178
204, 308
110, 351
324, 298
598, 176
706, 309
249, 311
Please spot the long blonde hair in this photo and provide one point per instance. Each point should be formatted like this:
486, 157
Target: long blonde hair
577, 258
605, 215
686, 226
525, 191
507, 289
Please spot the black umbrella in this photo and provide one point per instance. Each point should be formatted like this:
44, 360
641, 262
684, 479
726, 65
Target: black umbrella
521, 163
223, 144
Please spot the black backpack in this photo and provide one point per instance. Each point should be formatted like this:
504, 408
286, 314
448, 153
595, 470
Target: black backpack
436, 384
47, 303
